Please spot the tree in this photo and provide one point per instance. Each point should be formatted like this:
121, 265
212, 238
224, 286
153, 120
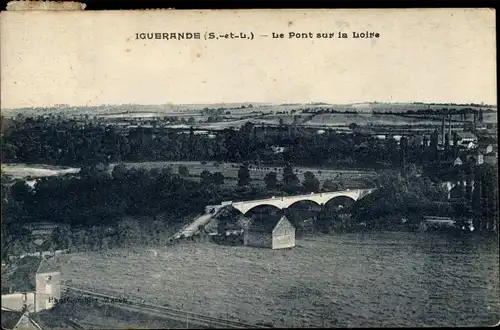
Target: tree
218, 178
60, 239
353, 126
434, 139
206, 177
119, 172
183, 171
311, 183
271, 180
243, 176
8, 151
290, 180
191, 121
247, 128
401, 197
455, 141
289, 177
20, 191
330, 185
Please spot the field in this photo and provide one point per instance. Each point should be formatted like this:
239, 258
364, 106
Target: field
235, 108
257, 173
367, 119
98, 315
389, 279
337, 120
490, 118
402, 107
249, 284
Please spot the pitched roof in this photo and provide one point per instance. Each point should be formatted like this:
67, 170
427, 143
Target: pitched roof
265, 223
53, 264
48, 266
19, 275
10, 318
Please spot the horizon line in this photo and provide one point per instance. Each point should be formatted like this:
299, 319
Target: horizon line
61, 106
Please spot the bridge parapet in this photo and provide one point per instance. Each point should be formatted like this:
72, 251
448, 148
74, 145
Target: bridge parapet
286, 201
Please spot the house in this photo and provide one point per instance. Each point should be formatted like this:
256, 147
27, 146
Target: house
418, 140
48, 284
41, 228
270, 231
228, 219
491, 159
18, 284
470, 145
41, 231
466, 139
475, 159
227, 226
15, 320
278, 149
397, 138
442, 141
486, 150
413, 140
457, 162
31, 284
426, 140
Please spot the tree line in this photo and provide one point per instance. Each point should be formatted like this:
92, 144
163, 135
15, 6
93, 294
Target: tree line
407, 195
101, 196
67, 142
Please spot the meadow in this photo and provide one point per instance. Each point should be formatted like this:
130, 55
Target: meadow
248, 284
97, 315
386, 279
491, 117
367, 119
257, 173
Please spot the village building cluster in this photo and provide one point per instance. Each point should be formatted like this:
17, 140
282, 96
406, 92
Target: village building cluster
29, 285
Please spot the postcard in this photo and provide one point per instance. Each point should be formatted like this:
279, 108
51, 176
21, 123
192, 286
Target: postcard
249, 168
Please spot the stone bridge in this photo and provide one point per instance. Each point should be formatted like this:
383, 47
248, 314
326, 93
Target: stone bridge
287, 201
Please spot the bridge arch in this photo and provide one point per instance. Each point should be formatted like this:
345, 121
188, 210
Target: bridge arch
341, 200
309, 201
253, 208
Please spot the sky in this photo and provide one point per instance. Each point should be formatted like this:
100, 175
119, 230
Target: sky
94, 58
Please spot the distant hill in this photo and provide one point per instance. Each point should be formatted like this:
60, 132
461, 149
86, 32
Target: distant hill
403, 107
190, 109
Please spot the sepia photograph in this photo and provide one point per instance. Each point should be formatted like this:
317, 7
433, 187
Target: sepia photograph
169, 169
